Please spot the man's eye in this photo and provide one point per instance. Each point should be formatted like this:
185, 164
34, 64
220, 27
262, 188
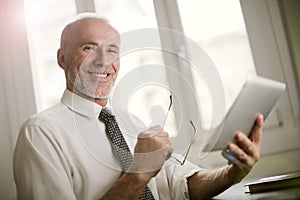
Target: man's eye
113, 51
89, 48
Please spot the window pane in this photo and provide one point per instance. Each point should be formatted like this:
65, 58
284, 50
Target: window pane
218, 27
45, 20
127, 15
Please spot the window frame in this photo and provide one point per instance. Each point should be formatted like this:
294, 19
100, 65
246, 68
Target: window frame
274, 63
272, 58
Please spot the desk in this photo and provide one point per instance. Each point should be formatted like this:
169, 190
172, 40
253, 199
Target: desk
238, 192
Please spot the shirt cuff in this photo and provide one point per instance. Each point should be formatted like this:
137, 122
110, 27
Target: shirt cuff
181, 190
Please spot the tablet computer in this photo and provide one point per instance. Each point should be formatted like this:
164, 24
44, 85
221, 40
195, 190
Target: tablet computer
258, 95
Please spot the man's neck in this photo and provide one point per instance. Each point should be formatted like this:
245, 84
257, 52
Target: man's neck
100, 101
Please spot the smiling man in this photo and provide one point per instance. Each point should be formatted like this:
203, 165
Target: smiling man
90, 58
71, 150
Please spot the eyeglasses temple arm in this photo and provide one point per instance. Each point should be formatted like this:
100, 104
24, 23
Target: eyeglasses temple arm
170, 105
188, 150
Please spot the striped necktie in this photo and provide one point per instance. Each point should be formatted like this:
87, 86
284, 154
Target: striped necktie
119, 144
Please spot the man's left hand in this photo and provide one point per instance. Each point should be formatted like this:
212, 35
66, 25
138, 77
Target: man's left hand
243, 154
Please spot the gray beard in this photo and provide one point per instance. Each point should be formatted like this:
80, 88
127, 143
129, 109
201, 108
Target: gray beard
84, 88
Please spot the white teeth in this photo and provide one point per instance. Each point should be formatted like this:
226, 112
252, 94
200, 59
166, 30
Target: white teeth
100, 75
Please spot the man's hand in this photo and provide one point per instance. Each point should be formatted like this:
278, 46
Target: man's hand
245, 153
241, 156
153, 148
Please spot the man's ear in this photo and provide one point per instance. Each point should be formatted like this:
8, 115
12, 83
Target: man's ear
61, 59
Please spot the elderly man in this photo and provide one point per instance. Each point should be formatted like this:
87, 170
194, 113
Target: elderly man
73, 150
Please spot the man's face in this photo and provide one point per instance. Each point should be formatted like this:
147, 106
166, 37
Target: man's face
92, 58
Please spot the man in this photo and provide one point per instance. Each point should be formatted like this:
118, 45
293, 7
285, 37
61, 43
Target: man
65, 152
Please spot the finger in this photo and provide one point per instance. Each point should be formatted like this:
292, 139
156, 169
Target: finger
256, 131
150, 161
237, 152
156, 127
148, 133
243, 141
250, 148
231, 158
152, 131
243, 163
164, 137
169, 151
162, 134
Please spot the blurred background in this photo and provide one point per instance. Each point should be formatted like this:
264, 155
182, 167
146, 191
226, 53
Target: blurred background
242, 38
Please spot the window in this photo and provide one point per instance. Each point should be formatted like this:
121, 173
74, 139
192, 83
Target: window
270, 54
44, 29
219, 28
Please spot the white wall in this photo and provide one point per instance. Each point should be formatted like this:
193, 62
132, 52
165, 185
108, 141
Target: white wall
17, 98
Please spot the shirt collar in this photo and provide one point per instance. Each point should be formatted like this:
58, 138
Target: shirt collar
81, 105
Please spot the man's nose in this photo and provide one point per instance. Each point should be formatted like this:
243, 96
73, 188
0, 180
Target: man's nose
101, 59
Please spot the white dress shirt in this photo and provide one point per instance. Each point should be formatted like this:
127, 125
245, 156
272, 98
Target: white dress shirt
64, 153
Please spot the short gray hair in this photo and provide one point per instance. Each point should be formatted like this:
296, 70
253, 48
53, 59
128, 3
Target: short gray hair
79, 17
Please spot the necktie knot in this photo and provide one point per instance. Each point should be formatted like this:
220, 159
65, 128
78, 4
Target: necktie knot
106, 114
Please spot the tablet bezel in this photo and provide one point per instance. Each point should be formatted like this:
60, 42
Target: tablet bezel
258, 95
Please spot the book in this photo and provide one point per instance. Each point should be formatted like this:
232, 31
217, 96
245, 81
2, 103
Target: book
275, 183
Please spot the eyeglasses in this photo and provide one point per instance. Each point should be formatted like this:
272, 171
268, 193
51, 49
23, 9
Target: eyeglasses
193, 139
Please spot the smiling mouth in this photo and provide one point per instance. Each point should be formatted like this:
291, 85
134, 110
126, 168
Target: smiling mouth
99, 75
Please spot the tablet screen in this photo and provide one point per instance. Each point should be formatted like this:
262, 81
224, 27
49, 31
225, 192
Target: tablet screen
258, 95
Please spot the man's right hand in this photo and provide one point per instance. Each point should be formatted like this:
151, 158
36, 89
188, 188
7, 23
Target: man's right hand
153, 148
